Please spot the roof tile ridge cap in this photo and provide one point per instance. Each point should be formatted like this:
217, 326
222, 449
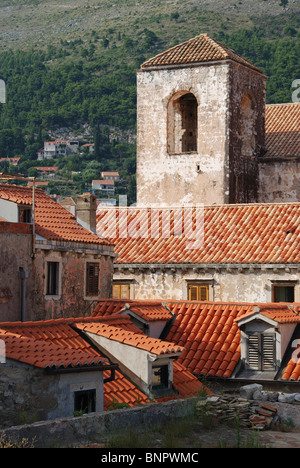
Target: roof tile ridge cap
177, 46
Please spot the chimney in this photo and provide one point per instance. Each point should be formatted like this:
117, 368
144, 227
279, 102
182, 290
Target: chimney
86, 208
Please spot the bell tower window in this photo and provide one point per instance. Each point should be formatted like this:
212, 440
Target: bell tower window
182, 123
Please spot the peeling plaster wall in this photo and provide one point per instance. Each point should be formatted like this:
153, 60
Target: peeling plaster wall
227, 284
279, 181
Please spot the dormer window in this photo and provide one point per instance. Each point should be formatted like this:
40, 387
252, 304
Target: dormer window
24, 214
160, 378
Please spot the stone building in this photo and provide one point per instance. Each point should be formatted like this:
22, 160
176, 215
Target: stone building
51, 266
216, 168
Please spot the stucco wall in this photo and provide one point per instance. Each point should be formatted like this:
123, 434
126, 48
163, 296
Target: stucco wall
230, 284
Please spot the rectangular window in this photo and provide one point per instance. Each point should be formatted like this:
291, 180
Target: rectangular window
284, 293
24, 215
52, 279
92, 279
121, 291
261, 351
85, 401
160, 377
198, 292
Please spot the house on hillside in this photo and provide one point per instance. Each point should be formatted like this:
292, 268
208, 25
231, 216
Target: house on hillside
60, 368
53, 266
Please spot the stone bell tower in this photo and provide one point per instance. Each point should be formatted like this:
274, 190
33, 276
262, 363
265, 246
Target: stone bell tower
200, 126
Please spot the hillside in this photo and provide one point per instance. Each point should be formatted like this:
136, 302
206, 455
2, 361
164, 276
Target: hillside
72, 65
38, 23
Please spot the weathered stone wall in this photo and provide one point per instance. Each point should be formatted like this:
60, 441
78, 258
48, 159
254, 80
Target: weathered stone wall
247, 133
230, 284
15, 253
166, 178
279, 181
72, 299
28, 394
82, 430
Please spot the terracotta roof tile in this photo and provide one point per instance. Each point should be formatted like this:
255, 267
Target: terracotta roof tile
256, 233
113, 328
283, 130
52, 221
196, 50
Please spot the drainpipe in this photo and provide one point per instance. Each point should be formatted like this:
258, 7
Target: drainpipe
23, 275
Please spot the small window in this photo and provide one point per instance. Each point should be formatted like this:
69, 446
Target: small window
198, 292
53, 279
85, 401
261, 351
24, 215
284, 293
160, 377
121, 291
92, 279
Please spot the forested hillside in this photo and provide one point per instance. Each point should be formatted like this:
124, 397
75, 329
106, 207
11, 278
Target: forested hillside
79, 67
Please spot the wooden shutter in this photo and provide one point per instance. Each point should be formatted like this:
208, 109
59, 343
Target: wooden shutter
92, 279
121, 291
253, 352
268, 352
198, 292
261, 351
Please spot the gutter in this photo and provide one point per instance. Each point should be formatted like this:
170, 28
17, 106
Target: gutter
81, 369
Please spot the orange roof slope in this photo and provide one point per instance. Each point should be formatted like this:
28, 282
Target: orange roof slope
254, 233
120, 328
283, 130
49, 344
52, 221
147, 310
199, 49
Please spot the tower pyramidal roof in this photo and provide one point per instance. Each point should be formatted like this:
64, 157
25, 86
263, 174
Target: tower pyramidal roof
197, 50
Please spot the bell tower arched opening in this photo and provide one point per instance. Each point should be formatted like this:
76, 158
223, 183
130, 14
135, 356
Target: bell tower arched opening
182, 123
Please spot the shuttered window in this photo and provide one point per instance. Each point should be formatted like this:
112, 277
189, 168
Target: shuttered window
121, 291
198, 292
92, 279
261, 351
52, 279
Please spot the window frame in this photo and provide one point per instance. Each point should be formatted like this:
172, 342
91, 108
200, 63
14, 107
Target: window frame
199, 286
92, 279
118, 286
290, 284
52, 278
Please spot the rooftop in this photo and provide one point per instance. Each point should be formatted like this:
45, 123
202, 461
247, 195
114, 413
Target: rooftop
197, 50
219, 234
52, 221
283, 130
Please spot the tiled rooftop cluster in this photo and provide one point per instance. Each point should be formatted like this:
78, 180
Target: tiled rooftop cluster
256, 233
210, 335
52, 221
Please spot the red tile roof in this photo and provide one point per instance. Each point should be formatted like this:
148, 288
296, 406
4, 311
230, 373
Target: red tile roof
254, 233
48, 344
283, 130
120, 328
52, 221
196, 50
210, 334
147, 310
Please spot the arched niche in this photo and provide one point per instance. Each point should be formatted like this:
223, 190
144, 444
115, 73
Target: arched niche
182, 123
